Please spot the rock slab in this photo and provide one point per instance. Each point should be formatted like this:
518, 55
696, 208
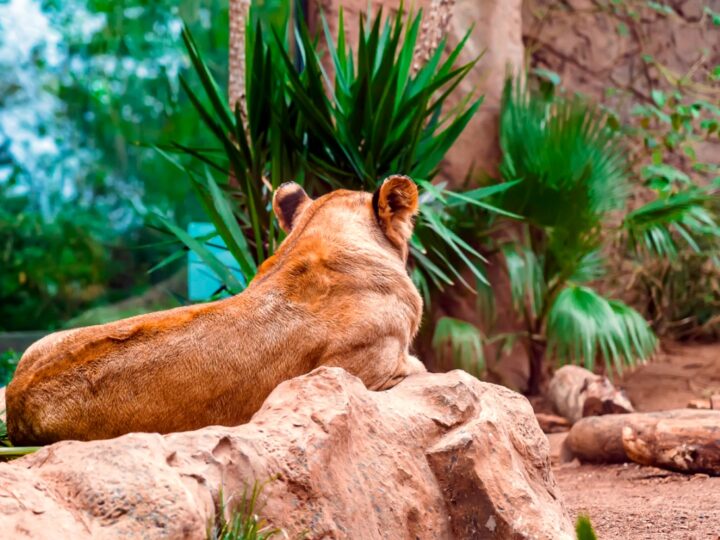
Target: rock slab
438, 456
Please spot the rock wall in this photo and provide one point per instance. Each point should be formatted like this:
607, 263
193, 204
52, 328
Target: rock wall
618, 53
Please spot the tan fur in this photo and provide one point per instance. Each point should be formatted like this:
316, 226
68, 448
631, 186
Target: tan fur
335, 293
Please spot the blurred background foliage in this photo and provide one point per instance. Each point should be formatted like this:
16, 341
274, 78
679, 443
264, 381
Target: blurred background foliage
86, 89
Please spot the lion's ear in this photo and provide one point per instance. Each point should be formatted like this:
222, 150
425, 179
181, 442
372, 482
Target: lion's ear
289, 200
395, 204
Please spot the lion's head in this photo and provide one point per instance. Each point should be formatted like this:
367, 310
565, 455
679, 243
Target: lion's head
384, 218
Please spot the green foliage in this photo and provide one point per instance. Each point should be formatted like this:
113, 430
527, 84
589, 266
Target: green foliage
672, 241
8, 363
258, 145
584, 529
527, 282
244, 524
82, 91
670, 132
572, 168
656, 228
574, 174
460, 343
119, 87
380, 117
48, 269
581, 324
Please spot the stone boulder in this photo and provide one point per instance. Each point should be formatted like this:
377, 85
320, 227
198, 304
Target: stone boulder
438, 456
576, 392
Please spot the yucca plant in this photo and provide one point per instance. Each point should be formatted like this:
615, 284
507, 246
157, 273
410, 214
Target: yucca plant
385, 114
573, 175
253, 150
380, 117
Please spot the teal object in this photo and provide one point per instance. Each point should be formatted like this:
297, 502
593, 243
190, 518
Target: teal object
203, 283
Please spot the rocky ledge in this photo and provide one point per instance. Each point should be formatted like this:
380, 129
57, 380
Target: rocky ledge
438, 456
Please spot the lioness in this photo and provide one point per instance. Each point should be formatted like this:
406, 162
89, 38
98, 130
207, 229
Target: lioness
335, 293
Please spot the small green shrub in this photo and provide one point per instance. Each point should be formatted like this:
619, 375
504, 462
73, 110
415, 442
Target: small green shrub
584, 529
244, 523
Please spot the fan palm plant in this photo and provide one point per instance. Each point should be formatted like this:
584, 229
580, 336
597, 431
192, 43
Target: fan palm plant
573, 175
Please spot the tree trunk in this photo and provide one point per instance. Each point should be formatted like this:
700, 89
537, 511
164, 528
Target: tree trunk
239, 11
536, 357
598, 439
238, 14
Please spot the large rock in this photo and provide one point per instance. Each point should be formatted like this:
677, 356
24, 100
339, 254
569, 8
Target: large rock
438, 456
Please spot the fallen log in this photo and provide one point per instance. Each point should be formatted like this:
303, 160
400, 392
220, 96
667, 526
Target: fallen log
576, 392
686, 440
598, 439
676, 443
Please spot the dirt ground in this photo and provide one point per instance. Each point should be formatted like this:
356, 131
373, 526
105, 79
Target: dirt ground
637, 503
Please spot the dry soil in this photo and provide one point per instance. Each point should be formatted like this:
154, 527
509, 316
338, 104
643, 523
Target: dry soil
637, 503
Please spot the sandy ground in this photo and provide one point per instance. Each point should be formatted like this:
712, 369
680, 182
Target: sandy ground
637, 503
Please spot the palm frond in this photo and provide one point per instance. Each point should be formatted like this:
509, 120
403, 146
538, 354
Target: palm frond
572, 166
589, 267
527, 282
460, 343
582, 325
656, 227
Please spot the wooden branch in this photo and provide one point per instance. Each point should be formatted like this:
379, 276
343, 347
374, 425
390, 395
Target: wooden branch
598, 439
